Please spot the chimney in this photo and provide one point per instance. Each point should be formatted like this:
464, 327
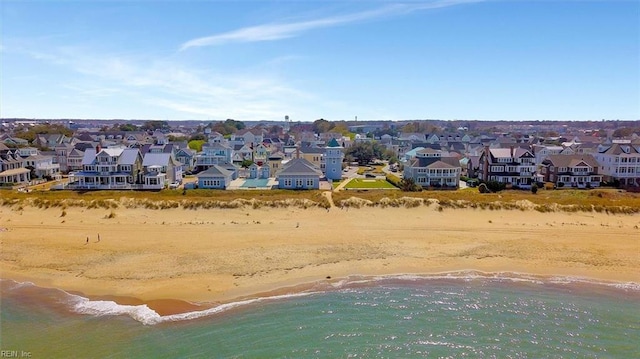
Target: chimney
98, 149
297, 151
485, 163
511, 147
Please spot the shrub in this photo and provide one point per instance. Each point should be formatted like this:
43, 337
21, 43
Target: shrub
482, 188
409, 185
560, 184
534, 189
393, 179
495, 186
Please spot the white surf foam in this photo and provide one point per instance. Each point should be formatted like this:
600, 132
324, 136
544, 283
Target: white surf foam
147, 316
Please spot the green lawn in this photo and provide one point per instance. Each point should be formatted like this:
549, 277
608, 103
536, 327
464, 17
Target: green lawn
337, 183
369, 183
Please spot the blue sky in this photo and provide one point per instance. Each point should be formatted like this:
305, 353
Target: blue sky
377, 60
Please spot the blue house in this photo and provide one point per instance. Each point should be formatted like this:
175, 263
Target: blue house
333, 157
216, 177
299, 174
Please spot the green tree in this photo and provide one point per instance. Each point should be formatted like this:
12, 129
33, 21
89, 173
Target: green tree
173, 138
322, 126
196, 145
366, 152
227, 127
198, 137
30, 133
409, 185
155, 125
128, 127
625, 132
408, 128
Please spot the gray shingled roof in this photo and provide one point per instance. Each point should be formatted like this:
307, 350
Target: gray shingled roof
570, 160
215, 171
156, 159
299, 167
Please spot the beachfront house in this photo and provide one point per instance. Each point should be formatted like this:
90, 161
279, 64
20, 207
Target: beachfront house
578, 171
215, 177
42, 166
514, 166
621, 162
431, 168
109, 168
12, 168
160, 169
299, 173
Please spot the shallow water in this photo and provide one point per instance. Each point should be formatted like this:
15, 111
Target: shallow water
447, 316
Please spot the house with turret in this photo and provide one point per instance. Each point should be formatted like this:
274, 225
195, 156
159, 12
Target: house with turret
333, 157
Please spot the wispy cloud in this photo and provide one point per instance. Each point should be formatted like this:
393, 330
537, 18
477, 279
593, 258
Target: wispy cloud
167, 86
277, 31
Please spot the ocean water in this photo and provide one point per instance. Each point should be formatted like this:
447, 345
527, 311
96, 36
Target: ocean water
452, 316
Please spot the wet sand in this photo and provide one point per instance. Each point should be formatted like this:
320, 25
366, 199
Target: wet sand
172, 258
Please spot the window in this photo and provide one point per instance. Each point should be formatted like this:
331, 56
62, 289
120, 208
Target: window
309, 182
287, 183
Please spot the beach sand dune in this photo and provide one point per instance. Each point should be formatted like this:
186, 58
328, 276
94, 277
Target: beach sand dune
216, 255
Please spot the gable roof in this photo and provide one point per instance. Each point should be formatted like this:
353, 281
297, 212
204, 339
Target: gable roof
129, 156
506, 152
618, 149
571, 160
299, 167
215, 171
156, 159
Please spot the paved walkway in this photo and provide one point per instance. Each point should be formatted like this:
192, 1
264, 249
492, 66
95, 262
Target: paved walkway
342, 184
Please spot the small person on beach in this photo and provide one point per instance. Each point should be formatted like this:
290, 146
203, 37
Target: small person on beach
87, 242
98, 237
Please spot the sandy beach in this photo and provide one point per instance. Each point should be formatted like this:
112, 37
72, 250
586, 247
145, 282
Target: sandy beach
218, 255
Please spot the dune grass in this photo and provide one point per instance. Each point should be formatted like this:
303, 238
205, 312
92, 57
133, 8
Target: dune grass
360, 183
596, 200
190, 199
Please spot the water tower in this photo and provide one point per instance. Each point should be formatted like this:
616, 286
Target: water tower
287, 123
